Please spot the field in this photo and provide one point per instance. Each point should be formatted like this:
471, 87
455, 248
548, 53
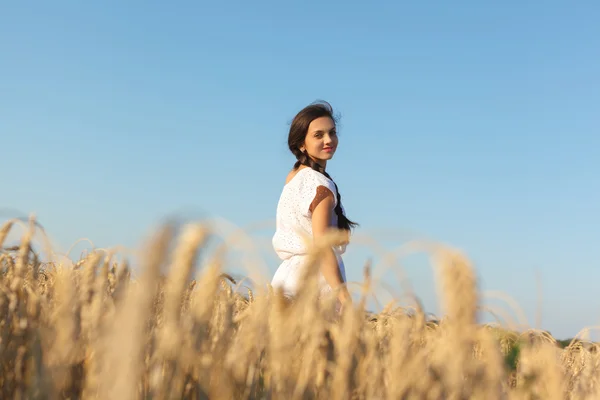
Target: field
90, 330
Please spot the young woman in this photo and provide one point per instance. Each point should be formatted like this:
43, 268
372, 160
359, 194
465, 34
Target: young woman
310, 203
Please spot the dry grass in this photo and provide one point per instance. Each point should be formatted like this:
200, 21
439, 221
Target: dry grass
92, 331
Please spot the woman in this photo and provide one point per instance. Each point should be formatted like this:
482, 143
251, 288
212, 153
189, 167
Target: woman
310, 203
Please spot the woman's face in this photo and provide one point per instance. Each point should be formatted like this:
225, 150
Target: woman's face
321, 140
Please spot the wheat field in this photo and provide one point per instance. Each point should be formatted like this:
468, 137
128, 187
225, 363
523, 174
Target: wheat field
92, 331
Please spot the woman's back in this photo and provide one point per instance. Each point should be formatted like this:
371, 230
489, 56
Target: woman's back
293, 218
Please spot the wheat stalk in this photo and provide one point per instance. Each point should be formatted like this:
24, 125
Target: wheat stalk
91, 330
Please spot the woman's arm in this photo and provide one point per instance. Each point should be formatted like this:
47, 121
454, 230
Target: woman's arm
322, 209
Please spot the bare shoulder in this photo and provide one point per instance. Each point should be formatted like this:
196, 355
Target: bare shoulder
292, 174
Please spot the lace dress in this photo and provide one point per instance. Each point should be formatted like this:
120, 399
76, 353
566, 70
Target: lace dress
293, 217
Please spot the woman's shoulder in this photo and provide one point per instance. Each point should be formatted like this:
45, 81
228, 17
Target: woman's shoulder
296, 175
312, 181
307, 176
306, 184
291, 174
319, 178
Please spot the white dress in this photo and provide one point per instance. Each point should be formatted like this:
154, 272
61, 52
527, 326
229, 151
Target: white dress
294, 216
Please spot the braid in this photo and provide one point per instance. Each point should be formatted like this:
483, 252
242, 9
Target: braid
303, 159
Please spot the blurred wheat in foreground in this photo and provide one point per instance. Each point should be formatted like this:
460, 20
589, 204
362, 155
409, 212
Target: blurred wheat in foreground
91, 331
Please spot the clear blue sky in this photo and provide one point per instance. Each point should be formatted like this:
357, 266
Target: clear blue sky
473, 124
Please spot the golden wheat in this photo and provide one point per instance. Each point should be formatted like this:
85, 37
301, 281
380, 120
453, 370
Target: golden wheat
89, 330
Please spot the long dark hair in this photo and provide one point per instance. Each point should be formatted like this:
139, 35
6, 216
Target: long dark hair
297, 134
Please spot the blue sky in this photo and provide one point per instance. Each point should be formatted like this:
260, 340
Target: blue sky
468, 123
